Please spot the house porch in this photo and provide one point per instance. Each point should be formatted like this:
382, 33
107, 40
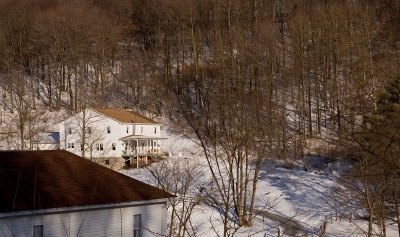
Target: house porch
139, 149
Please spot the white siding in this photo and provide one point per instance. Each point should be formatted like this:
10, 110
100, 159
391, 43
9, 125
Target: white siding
44, 146
104, 222
147, 130
98, 125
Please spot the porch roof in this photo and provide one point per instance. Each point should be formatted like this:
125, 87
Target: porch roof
138, 137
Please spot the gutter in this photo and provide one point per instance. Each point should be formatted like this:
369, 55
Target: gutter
82, 208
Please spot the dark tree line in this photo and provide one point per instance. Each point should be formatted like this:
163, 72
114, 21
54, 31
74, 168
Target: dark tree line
65, 51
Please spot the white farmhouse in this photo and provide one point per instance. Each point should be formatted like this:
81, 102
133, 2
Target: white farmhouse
56, 193
110, 133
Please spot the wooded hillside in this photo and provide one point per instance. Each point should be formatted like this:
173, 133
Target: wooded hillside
258, 78
314, 64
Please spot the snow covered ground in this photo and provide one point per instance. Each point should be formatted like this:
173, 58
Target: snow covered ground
289, 198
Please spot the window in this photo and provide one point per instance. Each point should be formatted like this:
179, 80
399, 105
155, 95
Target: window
127, 129
69, 130
89, 130
82, 147
108, 129
70, 145
137, 225
37, 231
107, 162
113, 146
99, 146
155, 130
141, 130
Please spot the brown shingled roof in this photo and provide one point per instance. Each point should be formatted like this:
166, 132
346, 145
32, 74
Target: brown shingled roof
124, 116
55, 179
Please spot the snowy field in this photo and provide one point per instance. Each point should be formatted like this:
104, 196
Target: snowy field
291, 199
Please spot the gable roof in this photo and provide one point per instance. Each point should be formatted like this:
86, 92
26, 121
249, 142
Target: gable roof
125, 116
33, 180
49, 138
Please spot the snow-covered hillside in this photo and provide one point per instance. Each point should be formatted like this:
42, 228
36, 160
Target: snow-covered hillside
292, 199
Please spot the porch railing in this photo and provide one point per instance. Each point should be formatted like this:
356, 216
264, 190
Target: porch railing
147, 152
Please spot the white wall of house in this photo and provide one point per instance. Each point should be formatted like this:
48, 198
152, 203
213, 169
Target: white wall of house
147, 130
105, 133
46, 146
102, 135
116, 221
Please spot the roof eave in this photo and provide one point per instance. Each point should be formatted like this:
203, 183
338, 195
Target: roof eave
84, 208
124, 123
133, 137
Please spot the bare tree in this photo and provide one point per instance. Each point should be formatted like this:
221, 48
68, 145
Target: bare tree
90, 135
184, 179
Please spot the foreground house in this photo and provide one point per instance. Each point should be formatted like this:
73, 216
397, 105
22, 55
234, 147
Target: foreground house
112, 133
56, 193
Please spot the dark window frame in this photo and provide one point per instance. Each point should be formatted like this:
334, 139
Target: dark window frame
137, 225
37, 231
